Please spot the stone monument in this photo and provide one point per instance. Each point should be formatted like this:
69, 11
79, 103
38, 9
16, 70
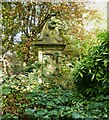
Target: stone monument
51, 42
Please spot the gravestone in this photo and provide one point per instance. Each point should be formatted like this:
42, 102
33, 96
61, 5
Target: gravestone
49, 44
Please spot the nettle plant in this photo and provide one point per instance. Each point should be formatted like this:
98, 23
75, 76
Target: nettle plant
91, 75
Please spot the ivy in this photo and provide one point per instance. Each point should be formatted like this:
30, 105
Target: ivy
50, 101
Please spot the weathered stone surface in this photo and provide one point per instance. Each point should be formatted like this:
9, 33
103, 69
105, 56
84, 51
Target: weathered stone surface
51, 32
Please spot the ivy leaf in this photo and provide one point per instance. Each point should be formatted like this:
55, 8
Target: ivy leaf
75, 115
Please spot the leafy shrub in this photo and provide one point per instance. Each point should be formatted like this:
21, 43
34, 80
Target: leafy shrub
91, 75
48, 102
25, 99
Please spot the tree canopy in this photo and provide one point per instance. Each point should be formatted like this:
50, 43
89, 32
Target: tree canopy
22, 23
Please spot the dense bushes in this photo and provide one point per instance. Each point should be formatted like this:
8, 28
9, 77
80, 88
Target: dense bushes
51, 102
91, 75
25, 99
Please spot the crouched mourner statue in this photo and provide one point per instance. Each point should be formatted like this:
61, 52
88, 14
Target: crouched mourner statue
52, 31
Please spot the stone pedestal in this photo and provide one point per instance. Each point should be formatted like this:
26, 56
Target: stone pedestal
49, 44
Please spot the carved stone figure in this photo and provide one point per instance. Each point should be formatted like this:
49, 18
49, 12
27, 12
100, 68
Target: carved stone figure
51, 32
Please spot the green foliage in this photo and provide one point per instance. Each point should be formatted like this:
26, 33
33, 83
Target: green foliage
25, 100
91, 75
